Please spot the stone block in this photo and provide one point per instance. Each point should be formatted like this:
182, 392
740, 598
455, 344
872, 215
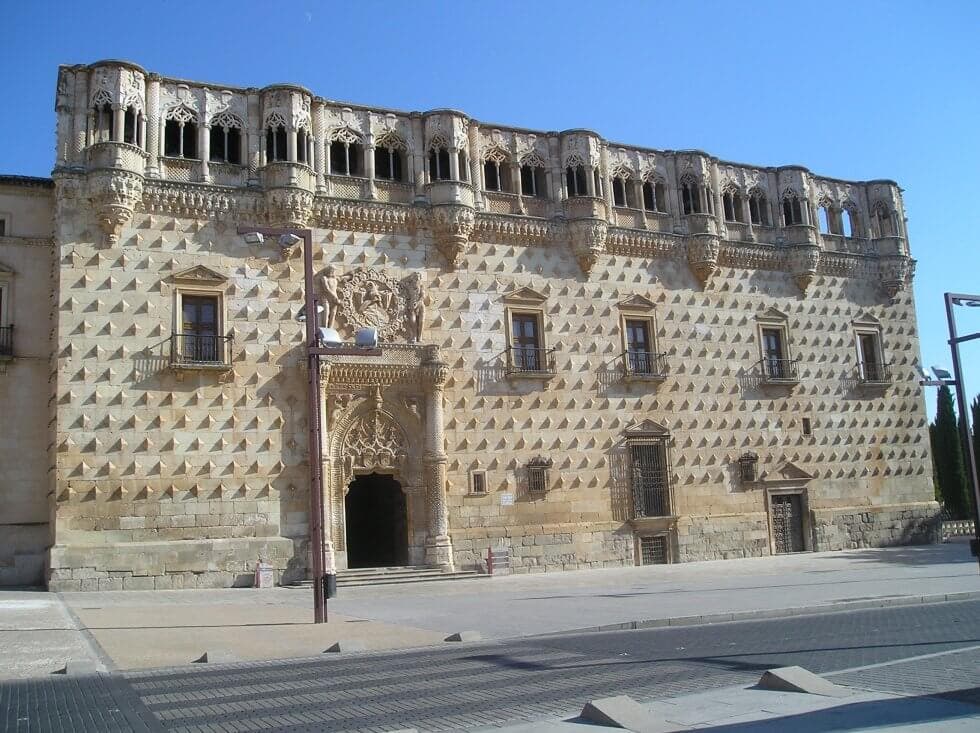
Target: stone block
623, 711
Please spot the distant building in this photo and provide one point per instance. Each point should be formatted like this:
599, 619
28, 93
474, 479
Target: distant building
594, 354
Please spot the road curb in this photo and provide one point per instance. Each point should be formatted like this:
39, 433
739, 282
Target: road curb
719, 618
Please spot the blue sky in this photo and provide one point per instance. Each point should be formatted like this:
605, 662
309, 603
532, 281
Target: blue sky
854, 90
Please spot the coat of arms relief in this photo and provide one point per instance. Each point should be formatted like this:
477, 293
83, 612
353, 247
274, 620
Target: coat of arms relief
367, 297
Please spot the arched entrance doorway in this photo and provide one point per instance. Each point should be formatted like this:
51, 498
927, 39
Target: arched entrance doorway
376, 522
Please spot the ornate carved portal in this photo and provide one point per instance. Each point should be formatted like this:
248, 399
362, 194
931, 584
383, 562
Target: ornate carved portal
385, 416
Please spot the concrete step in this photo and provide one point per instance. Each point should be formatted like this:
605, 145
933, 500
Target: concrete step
359, 577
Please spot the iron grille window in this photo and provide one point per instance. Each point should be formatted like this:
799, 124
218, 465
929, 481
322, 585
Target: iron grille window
537, 475
478, 482
650, 478
653, 550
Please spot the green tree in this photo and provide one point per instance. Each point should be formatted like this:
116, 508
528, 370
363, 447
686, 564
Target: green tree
948, 455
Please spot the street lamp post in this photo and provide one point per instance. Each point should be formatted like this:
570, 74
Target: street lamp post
313, 353
955, 299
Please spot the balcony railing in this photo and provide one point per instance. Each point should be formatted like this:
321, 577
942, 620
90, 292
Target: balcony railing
6, 340
191, 350
780, 371
644, 365
528, 361
872, 372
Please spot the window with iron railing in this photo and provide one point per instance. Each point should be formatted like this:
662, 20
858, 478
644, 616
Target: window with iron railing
199, 343
650, 478
538, 476
6, 340
639, 359
526, 353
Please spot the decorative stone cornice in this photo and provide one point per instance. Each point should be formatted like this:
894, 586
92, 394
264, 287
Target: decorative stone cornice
804, 261
896, 273
702, 256
451, 226
588, 241
114, 195
379, 218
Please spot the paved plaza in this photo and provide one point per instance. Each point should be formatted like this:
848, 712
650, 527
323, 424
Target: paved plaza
904, 621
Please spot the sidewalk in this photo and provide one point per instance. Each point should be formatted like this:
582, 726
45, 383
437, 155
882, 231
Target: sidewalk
142, 629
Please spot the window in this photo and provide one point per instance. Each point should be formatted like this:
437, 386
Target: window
198, 337
849, 223
478, 482
533, 180
439, 164
345, 158
538, 479
792, 209
388, 164
525, 340
807, 426
654, 550
691, 197
464, 168
133, 126
275, 143
303, 146
872, 368
824, 217
496, 175
3, 227
758, 208
180, 134
6, 327
226, 139
654, 196
649, 477
104, 123
622, 192
748, 467
772, 352
640, 357
575, 180
881, 221
732, 201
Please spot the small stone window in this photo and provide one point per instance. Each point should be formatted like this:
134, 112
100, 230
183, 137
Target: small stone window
849, 221
538, 475
792, 209
180, 133
622, 192
3, 227
388, 164
275, 142
758, 208
104, 121
748, 467
654, 550
345, 158
478, 482
807, 426
496, 175
575, 180
654, 196
464, 167
226, 140
439, 164
533, 180
882, 224
732, 201
133, 126
303, 139
695, 198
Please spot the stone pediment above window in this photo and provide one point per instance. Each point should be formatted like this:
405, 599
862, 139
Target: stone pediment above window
786, 472
524, 296
866, 319
200, 275
5, 271
646, 429
636, 303
772, 315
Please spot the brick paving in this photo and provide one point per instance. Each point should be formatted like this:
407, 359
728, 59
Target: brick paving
502, 683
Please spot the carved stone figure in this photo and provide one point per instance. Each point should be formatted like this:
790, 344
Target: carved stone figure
331, 301
415, 307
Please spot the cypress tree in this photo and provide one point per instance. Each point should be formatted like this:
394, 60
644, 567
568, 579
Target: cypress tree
948, 454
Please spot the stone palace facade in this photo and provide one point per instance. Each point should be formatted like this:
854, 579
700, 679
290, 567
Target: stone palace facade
593, 354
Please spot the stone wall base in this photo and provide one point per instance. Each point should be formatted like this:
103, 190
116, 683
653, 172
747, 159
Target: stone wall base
562, 547
23, 552
220, 563
722, 537
883, 526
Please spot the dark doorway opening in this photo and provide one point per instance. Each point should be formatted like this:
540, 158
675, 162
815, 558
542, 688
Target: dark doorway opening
377, 527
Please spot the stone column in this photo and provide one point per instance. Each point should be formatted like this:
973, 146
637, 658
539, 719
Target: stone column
606, 191
369, 167
291, 145
118, 123
256, 139
204, 145
453, 164
79, 124
476, 165
438, 548
418, 156
320, 153
556, 177
638, 200
152, 139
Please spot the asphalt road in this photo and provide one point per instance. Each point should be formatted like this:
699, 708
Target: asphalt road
504, 682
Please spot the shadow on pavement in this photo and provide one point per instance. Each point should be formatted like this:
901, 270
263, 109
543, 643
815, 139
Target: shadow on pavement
956, 550
868, 715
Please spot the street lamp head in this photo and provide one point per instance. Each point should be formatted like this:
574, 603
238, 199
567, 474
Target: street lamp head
330, 337
941, 374
288, 241
253, 238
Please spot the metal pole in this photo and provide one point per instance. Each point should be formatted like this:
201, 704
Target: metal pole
968, 453
317, 538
